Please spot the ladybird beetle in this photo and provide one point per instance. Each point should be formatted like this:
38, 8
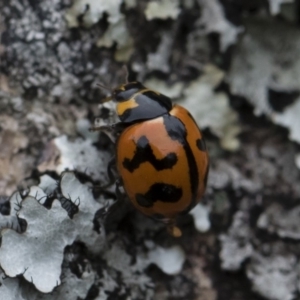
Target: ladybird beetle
161, 156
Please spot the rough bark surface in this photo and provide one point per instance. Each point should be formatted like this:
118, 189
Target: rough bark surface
234, 64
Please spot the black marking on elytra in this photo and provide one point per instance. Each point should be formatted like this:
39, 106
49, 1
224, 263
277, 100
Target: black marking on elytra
201, 145
159, 192
149, 106
144, 153
143, 201
177, 131
160, 98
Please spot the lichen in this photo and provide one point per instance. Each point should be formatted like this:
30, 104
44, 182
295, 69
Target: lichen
211, 109
162, 10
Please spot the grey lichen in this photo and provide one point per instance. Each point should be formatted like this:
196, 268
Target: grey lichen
83, 226
46, 236
10, 288
236, 244
82, 156
274, 277
92, 11
40, 246
281, 221
49, 93
11, 220
162, 10
271, 49
211, 109
213, 20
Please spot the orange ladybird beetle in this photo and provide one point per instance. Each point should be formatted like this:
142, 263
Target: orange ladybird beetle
161, 156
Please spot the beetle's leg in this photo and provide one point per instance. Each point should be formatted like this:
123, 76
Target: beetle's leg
107, 129
119, 194
173, 229
110, 171
111, 176
111, 180
113, 208
117, 210
112, 130
115, 127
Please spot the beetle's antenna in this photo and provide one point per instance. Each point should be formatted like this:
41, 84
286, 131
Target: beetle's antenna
102, 86
126, 73
106, 99
106, 88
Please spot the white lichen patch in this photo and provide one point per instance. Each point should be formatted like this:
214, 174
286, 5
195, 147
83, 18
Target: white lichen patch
92, 11
37, 253
162, 9
108, 283
48, 184
118, 33
131, 272
159, 60
273, 277
267, 60
83, 128
211, 109
81, 195
213, 21
223, 174
236, 246
276, 4
10, 288
82, 156
173, 91
11, 221
200, 215
289, 118
72, 287
169, 260
37, 193
283, 222
118, 259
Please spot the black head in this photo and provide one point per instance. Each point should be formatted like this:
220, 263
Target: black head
135, 102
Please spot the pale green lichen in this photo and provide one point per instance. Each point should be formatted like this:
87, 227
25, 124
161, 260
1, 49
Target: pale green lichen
212, 109
92, 11
162, 10
173, 91
213, 20
118, 33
